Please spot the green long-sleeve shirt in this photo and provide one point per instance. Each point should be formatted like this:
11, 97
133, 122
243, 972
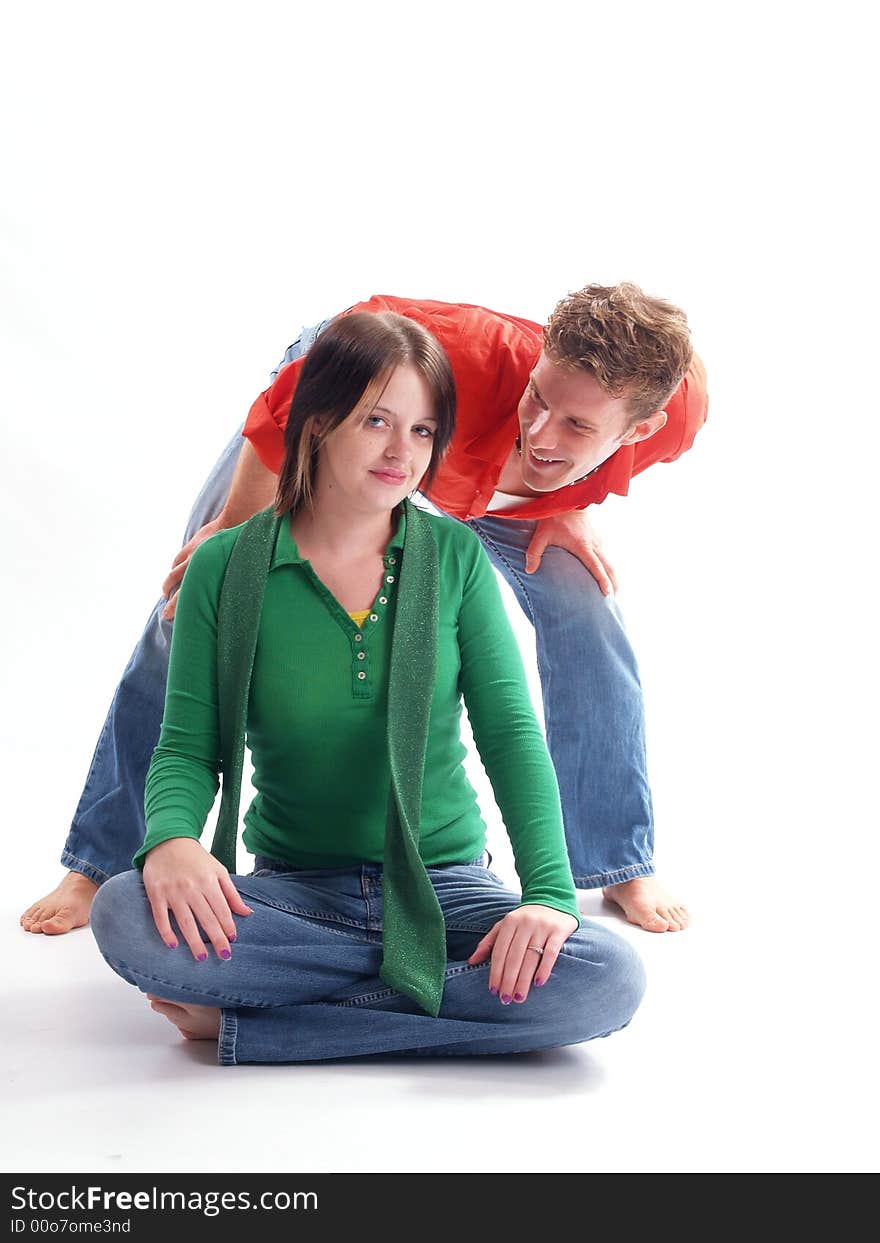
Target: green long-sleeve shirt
316, 722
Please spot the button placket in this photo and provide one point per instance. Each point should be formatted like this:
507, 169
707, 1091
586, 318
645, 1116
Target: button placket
359, 657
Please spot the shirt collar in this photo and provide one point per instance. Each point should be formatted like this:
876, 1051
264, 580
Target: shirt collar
287, 553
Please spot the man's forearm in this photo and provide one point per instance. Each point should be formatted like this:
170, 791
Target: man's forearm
252, 489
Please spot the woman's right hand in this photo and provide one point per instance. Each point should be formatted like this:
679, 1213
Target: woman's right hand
183, 879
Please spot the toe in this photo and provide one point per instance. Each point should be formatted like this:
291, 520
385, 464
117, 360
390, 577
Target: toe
58, 924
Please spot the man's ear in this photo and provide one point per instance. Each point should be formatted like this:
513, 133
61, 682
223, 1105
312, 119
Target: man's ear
645, 428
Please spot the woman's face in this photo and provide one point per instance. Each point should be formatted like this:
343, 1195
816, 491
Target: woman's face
375, 459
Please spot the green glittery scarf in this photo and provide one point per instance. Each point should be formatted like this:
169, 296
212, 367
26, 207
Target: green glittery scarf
414, 934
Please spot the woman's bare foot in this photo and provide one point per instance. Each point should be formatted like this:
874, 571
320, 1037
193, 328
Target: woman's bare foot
644, 902
64, 908
194, 1022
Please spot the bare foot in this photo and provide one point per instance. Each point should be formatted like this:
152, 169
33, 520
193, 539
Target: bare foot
646, 903
194, 1022
64, 908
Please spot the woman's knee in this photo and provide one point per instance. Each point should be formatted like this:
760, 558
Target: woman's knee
605, 976
117, 915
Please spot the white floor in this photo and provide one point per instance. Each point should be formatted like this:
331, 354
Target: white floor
732, 1063
754, 1048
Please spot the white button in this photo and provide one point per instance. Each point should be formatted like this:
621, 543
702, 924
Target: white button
374, 617
361, 675
362, 655
383, 599
392, 561
389, 578
358, 638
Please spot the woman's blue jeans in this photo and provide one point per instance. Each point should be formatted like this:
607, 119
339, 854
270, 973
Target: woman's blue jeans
592, 707
302, 983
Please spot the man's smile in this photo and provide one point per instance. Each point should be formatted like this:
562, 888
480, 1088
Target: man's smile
542, 459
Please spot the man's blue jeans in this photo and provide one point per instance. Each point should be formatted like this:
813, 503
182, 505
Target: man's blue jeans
592, 707
593, 711
302, 983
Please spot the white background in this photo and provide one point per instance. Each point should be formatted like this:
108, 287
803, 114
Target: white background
185, 185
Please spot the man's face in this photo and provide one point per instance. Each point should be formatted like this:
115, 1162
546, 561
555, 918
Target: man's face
569, 426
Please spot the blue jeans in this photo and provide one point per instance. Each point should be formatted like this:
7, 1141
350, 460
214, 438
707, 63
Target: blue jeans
302, 983
593, 710
592, 707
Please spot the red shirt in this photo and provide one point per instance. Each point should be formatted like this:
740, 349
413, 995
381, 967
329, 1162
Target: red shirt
492, 356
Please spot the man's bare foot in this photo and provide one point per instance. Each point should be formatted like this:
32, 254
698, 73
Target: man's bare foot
64, 908
194, 1022
644, 902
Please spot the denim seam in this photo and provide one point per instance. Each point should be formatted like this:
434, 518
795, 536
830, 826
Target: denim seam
459, 927
84, 863
227, 1038
382, 994
324, 916
615, 878
487, 539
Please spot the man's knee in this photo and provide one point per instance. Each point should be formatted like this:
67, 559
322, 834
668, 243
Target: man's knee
571, 600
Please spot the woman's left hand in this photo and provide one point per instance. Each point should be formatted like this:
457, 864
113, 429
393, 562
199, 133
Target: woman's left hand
513, 943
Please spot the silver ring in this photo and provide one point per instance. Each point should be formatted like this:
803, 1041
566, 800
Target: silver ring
536, 948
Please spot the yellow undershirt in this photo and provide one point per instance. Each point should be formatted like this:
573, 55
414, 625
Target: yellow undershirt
360, 617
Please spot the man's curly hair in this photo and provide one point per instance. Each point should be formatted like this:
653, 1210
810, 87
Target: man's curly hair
634, 346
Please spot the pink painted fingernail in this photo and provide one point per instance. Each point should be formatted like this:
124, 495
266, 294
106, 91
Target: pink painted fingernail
519, 997
203, 957
505, 999
232, 938
538, 983
172, 945
494, 991
225, 954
